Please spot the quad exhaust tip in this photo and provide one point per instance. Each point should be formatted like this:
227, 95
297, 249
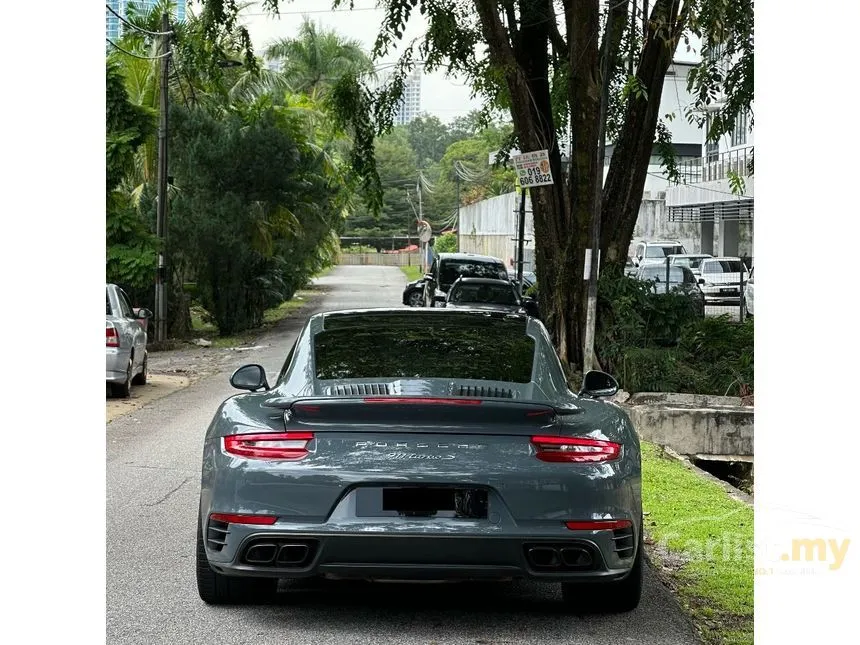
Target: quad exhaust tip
559, 557
278, 553
261, 553
293, 554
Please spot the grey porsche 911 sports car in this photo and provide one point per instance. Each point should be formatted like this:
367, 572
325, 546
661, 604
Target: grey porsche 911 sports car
421, 444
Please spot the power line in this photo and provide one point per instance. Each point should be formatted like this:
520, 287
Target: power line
297, 13
179, 82
140, 29
164, 55
710, 190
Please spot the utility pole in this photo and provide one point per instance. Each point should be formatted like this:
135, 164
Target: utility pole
632, 37
520, 240
644, 21
458, 199
161, 216
593, 254
424, 267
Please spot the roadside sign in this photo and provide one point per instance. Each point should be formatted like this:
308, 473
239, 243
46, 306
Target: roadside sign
533, 168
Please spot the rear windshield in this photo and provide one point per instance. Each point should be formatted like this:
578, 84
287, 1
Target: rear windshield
689, 261
662, 251
464, 346
722, 266
453, 269
658, 273
496, 294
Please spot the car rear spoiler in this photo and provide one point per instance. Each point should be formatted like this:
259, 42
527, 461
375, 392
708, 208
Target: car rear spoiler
411, 406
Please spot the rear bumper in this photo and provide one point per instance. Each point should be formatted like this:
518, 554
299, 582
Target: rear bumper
115, 365
575, 555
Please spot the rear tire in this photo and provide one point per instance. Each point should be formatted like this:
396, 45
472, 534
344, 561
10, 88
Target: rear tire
140, 379
217, 589
123, 390
608, 597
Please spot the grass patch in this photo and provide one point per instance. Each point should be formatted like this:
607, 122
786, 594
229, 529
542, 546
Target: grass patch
703, 540
204, 328
412, 272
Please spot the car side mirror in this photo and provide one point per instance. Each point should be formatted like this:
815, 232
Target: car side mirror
701, 281
531, 307
598, 384
428, 276
250, 377
142, 313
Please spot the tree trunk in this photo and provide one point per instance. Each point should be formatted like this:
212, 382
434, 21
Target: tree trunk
628, 170
563, 213
525, 62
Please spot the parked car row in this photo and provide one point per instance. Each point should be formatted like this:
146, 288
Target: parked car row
468, 280
721, 281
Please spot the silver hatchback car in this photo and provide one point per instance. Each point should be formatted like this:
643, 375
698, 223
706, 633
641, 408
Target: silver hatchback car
125, 342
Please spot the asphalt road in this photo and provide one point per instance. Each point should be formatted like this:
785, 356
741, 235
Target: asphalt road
153, 472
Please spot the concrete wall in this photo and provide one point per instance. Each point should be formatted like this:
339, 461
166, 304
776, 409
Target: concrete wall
694, 425
653, 223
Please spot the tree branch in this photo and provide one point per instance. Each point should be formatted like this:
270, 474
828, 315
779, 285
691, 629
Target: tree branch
559, 45
512, 22
618, 19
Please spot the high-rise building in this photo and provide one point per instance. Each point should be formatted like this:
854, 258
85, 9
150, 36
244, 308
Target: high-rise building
410, 103
114, 27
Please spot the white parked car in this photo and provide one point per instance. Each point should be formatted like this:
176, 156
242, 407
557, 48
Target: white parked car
749, 299
125, 341
656, 252
720, 280
692, 261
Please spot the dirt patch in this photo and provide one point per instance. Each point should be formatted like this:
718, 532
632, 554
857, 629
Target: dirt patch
157, 386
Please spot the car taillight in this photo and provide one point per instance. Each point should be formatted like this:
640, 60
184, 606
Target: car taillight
112, 337
574, 449
285, 446
598, 525
235, 518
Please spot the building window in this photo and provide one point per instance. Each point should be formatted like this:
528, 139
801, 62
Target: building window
739, 134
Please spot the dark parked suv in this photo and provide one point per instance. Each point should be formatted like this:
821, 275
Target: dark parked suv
447, 267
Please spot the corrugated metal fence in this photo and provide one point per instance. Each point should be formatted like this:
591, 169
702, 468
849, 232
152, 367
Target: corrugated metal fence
381, 259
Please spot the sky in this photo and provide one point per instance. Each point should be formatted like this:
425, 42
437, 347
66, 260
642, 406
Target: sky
447, 98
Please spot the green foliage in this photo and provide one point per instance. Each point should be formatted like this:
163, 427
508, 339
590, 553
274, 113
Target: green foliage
254, 210
726, 72
657, 342
131, 248
429, 138
736, 182
447, 243
317, 58
128, 127
398, 172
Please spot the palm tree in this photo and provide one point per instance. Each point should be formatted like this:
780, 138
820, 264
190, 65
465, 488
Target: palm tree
317, 58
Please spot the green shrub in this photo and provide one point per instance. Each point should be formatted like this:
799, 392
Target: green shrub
447, 243
657, 342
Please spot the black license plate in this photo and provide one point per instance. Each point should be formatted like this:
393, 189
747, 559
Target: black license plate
417, 500
425, 501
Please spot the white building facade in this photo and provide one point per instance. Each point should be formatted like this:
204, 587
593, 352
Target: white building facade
718, 196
